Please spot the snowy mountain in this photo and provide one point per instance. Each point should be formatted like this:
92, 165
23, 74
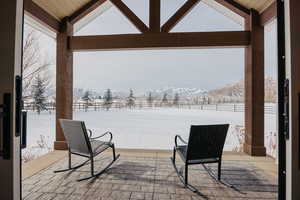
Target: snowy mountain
170, 91
183, 92
227, 94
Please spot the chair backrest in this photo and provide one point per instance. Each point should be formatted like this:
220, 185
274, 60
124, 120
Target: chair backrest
76, 136
206, 141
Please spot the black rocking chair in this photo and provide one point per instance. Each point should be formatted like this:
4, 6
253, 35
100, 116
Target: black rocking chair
82, 144
205, 145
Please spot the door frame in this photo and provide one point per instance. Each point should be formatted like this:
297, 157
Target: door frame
11, 64
281, 102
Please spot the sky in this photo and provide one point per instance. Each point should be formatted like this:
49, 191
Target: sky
144, 70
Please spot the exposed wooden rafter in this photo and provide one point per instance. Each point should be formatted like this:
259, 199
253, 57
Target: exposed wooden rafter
135, 20
85, 10
154, 16
39, 14
235, 7
268, 14
160, 40
181, 12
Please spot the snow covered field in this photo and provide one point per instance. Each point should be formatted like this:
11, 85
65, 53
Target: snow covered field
145, 128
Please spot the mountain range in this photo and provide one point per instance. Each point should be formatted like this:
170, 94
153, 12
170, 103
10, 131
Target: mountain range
230, 92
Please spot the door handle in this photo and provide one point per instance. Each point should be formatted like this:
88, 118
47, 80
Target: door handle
24, 130
5, 137
286, 110
18, 105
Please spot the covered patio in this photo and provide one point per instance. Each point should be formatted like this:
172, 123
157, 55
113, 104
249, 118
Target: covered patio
148, 174
62, 19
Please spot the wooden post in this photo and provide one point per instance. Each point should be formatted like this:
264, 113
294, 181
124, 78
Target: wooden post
254, 88
64, 82
154, 18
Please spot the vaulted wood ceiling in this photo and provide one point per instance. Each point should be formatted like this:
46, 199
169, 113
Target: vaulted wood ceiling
62, 8
258, 5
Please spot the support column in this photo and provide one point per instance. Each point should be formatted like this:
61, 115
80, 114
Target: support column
64, 82
254, 88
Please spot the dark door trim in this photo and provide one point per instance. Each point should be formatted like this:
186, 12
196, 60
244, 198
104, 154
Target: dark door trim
281, 96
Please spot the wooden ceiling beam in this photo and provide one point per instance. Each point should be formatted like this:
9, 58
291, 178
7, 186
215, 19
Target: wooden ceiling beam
85, 10
160, 41
39, 14
135, 20
154, 16
268, 14
179, 15
235, 7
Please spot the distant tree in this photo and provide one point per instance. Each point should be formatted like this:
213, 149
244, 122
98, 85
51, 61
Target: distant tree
131, 100
205, 100
107, 99
86, 98
39, 88
208, 100
150, 99
176, 100
164, 100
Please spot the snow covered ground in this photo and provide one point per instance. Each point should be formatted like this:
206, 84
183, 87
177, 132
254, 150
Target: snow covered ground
146, 128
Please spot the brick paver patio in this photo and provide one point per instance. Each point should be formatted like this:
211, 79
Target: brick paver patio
140, 177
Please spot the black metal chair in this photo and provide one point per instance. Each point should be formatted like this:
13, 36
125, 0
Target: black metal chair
205, 145
82, 144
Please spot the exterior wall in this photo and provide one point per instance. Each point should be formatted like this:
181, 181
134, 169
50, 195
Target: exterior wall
10, 58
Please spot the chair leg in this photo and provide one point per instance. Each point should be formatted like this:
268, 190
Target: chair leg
93, 174
92, 166
70, 168
70, 161
219, 170
114, 151
174, 155
217, 178
186, 174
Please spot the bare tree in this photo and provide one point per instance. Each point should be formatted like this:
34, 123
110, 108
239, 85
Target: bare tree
33, 62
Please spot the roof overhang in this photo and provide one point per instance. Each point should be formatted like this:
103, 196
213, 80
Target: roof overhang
59, 9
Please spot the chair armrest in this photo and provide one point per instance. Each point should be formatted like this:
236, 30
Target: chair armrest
180, 138
106, 133
91, 133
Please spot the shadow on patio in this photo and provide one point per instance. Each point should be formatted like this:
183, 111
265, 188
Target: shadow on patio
148, 174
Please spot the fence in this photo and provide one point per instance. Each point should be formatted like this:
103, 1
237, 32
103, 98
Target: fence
269, 109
